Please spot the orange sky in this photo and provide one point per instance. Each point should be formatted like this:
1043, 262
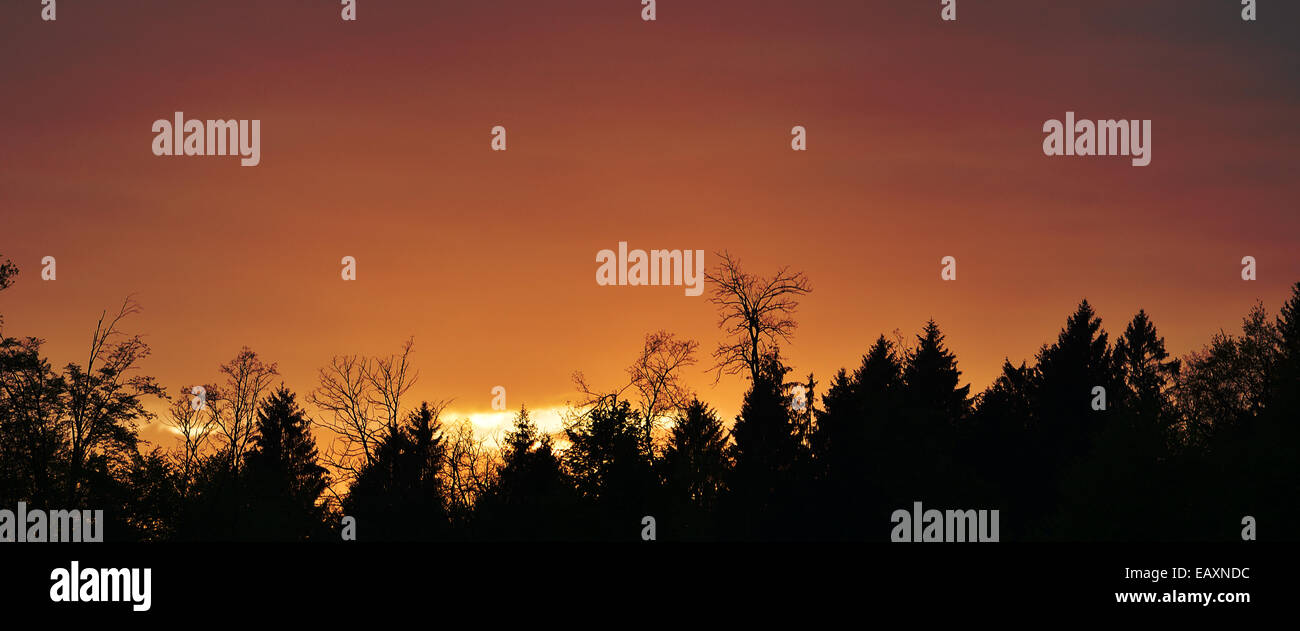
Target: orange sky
924, 141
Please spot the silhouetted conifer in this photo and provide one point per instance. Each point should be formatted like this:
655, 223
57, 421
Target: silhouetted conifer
284, 481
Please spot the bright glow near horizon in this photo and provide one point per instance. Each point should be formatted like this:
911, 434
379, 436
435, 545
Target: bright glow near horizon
493, 425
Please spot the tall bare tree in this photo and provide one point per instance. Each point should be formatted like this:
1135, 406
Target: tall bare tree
362, 397
756, 313
390, 378
343, 394
195, 418
247, 378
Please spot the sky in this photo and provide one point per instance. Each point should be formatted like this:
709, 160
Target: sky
924, 140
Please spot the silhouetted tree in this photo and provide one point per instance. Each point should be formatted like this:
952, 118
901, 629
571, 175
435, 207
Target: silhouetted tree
104, 401
399, 496
32, 447
1225, 387
282, 475
1125, 489
998, 447
7, 273
768, 454
1063, 421
611, 467
1279, 499
655, 377
215, 504
470, 468
247, 378
1038, 423
934, 406
151, 500
362, 400
856, 447
31, 400
532, 497
695, 467
195, 419
757, 314
1146, 375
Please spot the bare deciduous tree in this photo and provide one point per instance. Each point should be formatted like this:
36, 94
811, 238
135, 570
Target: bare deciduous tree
247, 377
389, 380
195, 419
470, 466
755, 313
362, 397
343, 395
655, 376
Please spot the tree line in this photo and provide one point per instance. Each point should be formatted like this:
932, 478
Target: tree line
1094, 439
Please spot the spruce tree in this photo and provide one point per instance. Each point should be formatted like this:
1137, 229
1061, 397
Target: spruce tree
1145, 373
611, 467
398, 495
531, 497
695, 466
282, 475
932, 380
934, 406
1067, 372
767, 453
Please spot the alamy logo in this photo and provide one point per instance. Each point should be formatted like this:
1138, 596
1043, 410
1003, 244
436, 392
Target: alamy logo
1100, 138
108, 585
943, 526
215, 138
658, 267
38, 526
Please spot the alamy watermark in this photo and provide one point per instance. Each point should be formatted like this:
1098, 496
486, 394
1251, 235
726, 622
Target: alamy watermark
54, 526
195, 137
1099, 138
106, 585
948, 526
656, 267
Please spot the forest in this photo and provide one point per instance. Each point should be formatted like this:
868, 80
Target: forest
1180, 449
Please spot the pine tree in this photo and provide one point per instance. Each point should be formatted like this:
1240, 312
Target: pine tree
931, 380
1277, 446
1287, 386
934, 406
996, 447
611, 467
1124, 488
531, 497
1146, 373
1065, 376
768, 453
857, 443
283, 478
695, 467
398, 496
